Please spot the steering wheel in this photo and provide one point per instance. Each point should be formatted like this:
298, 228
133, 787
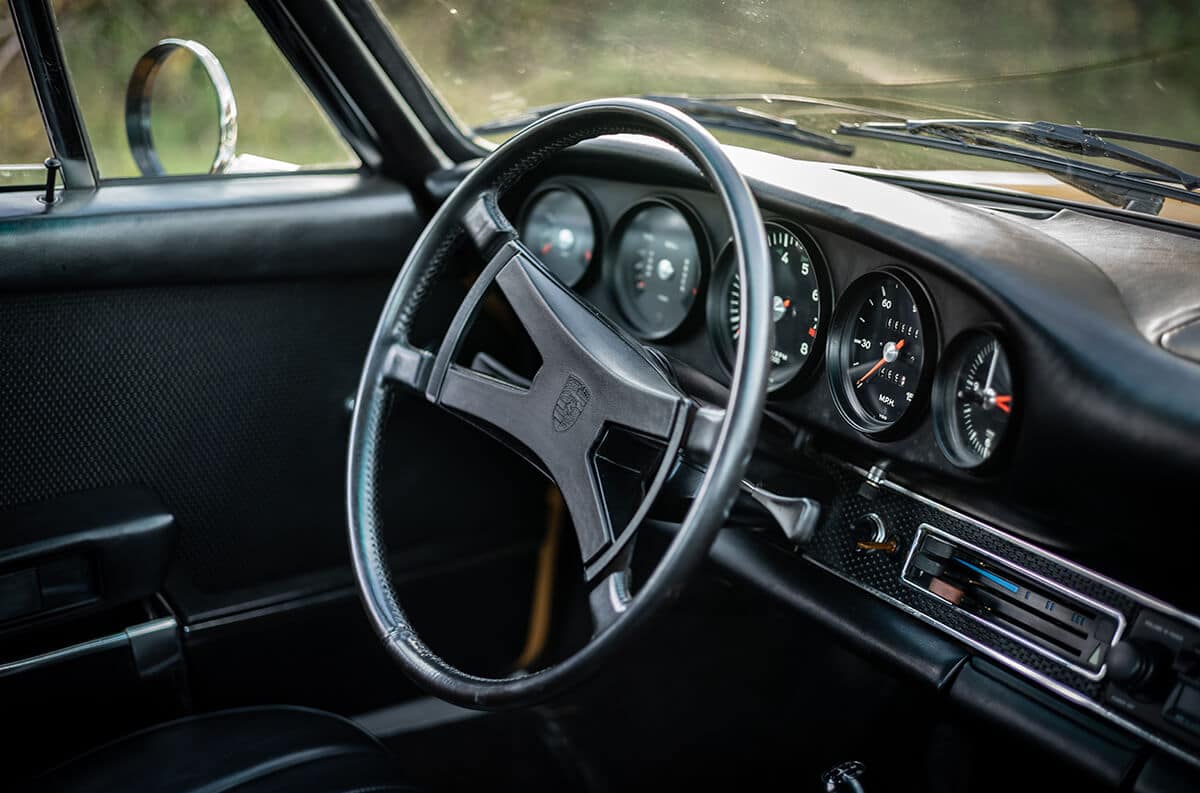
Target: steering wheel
593, 379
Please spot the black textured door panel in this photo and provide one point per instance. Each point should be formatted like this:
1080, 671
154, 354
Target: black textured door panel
200, 339
227, 400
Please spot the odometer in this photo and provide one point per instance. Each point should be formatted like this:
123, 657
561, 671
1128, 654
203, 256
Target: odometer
882, 348
799, 308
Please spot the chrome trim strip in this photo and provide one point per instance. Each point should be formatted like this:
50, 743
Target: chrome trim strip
1054, 686
82, 649
927, 529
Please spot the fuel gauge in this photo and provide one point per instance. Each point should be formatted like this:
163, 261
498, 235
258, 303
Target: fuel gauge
973, 398
558, 227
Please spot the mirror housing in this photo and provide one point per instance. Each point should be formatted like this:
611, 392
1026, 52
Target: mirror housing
138, 97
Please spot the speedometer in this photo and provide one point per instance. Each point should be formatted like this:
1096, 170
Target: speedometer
881, 351
799, 308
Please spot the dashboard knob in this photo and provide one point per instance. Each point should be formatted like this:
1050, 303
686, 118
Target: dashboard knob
1134, 666
869, 528
871, 535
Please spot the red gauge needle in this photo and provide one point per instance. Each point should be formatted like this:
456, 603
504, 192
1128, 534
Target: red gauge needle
899, 346
1004, 402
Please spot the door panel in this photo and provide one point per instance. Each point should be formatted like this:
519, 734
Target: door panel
200, 340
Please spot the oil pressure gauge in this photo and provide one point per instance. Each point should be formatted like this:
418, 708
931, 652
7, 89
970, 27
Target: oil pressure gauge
973, 399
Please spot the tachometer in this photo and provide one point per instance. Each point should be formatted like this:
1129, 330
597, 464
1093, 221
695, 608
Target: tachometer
881, 351
800, 306
558, 227
656, 268
973, 398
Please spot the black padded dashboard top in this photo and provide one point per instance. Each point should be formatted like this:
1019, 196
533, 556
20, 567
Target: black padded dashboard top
1156, 271
1109, 441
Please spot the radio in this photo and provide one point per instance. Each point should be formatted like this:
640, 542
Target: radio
1037, 612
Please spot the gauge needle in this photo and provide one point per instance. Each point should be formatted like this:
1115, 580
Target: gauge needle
1002, 401
992, 368
887, 350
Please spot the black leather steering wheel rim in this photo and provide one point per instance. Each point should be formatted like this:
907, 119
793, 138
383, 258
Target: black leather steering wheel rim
728, 440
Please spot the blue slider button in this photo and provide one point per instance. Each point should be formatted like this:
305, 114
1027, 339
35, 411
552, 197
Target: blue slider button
1009, 585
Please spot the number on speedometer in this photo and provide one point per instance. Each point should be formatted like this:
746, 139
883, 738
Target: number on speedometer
881, 350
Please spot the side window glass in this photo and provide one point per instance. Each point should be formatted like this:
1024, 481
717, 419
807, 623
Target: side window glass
23, 144
209, 91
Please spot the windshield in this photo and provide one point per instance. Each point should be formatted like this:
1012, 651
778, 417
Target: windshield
1122, 64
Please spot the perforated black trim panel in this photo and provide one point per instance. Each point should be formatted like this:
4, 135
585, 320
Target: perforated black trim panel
833, 547
226, 400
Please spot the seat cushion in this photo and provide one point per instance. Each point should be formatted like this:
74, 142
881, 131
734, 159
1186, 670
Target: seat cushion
250, 750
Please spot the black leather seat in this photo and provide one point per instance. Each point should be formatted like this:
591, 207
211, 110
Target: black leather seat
250, 750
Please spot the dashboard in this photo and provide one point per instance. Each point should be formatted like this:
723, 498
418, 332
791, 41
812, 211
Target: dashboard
866, 344
987, 401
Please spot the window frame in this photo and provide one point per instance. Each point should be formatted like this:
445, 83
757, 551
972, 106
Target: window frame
37, 29
375, 31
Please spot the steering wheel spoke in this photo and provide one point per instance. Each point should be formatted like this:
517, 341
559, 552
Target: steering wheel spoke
486, 224
608, 598
593, 378
703, 431
480, 396
407, 365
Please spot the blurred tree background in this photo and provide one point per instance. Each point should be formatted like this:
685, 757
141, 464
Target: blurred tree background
1130, 64
24, 139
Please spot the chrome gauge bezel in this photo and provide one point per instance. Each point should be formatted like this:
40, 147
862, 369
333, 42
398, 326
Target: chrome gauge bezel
724, 269
611, 264
945, 385
837, 348
599, 232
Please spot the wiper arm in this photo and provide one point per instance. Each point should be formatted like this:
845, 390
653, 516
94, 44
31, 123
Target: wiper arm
1075, 139
710, 113
1135, 191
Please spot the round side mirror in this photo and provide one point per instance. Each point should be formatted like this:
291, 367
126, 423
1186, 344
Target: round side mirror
138, 103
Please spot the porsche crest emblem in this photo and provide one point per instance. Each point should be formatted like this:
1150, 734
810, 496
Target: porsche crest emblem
570, 403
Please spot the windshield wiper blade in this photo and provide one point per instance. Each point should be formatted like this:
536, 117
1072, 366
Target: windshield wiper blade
1136, 191
1074, 139
709, 112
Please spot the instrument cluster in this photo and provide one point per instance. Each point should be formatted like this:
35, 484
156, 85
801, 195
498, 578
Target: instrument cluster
880, 340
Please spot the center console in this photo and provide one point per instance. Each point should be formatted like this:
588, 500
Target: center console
1104, 646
